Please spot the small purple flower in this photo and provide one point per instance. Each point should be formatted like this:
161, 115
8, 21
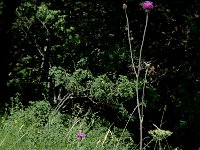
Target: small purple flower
80, 135
148, 5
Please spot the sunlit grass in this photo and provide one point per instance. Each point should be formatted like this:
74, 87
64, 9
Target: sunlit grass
39, 127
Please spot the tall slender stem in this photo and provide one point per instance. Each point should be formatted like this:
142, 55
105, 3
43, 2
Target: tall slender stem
143, 93
130, 46
137, 73
141, 47
140, 109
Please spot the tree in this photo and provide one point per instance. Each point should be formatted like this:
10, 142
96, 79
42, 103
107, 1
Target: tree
6, 19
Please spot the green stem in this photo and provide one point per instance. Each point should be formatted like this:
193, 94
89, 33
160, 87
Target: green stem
141, 47
143, 93
130, 46
140, 111
78, 145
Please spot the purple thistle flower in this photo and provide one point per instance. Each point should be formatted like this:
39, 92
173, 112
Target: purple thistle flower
148, 5
80, 135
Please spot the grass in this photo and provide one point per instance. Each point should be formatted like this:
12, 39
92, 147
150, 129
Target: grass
40, 127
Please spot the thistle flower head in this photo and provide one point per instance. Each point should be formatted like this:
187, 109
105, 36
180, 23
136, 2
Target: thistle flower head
80, 135
148, 5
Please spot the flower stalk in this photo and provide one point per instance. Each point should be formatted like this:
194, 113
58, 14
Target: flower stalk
80, 136
147, 6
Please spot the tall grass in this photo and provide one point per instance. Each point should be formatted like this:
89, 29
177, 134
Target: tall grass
40, 127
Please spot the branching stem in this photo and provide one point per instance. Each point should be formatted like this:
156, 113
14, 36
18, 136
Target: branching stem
130, 46
140, 103
140, 109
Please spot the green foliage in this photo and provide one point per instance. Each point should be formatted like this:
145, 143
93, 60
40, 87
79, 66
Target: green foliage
99, 90
75, 83
36, 127
46, 15
125, 87
40, 127
102, 88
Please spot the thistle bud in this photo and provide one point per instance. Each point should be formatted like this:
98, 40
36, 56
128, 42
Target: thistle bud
124, 6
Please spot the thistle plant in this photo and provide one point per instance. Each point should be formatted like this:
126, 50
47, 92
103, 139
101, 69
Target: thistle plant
147, 6
80, 135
